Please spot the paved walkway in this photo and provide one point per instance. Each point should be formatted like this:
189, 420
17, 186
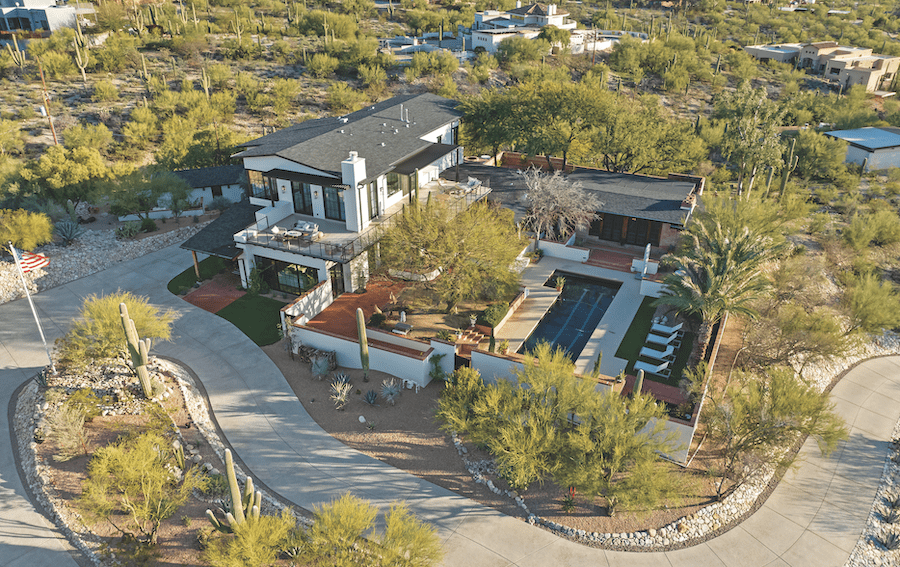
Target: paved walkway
813, 518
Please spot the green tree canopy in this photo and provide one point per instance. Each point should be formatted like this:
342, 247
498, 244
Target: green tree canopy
752, 140
553, 424
474, 250
759, 415
140, 191
63, 174
24, 228
98, 334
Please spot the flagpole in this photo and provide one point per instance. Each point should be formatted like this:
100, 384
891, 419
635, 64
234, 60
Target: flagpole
31, 303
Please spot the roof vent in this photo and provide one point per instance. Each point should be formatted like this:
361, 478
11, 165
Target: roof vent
344, 119
401, 112
341, 130
381, 144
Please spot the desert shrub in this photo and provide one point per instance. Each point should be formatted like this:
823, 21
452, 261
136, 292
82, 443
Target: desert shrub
129, 229
65, 428
377, 319
98, 333
390, 390
254, 543
344, 98
321, 65
494, 314
148, 225
219, 203
105, 91
885, 226
858, 233
132, 480
87, 402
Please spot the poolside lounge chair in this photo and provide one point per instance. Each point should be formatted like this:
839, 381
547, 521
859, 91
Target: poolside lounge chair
661, 329
649, 368
654, 354
660, 340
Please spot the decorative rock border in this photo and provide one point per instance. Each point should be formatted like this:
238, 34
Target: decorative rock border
95, 250
29, 416
712, 520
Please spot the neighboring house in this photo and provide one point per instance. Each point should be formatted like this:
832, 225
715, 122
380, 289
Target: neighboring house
636, 209
33, 15
845, 65
873, 148
326, 187
228, 181
493, 26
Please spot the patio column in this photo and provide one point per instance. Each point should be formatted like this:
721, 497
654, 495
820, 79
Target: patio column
196, 264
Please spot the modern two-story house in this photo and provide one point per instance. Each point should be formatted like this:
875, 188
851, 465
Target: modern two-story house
324, 188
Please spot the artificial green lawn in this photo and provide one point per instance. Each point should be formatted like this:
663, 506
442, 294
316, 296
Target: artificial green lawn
258, 318
635, 339
208, 268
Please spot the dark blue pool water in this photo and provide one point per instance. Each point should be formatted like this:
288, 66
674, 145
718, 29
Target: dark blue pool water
574, 315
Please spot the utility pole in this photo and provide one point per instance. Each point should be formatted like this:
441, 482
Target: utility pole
46, 98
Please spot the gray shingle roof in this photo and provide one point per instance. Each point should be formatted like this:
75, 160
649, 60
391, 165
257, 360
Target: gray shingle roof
377, 133
217, 238
637, 196
210, 176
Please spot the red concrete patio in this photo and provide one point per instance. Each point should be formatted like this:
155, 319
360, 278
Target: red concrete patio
216, 294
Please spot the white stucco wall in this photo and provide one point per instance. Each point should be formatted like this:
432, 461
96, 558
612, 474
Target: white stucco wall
557, 250
311, 304
878, 159
405, 368
251, 252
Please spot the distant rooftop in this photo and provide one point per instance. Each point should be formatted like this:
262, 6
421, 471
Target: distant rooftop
869, 138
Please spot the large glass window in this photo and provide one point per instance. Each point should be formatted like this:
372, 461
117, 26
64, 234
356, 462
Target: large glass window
262, 187
302, 198
373, 199
334, 204
393, 183
288, 278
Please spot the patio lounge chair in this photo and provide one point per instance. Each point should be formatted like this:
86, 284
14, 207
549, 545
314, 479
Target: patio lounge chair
660, 340
661, 329
650, 368
654, 354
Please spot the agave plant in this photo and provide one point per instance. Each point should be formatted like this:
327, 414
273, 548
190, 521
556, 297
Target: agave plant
889, 539
69, 231
390, 390
340, 392
891, 515
341, 377
370, 397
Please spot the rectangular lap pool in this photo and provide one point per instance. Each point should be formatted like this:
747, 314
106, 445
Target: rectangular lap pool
574, 315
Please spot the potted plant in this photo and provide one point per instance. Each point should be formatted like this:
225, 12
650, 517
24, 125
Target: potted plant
504, 347
536, 256
472, 320
560, 282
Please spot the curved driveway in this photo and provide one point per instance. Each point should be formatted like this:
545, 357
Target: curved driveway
814, 517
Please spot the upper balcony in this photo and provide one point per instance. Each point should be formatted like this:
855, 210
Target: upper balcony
341, 245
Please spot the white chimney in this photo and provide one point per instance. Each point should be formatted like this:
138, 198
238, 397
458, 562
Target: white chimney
401, 112
518, 3
551, 10
353, 173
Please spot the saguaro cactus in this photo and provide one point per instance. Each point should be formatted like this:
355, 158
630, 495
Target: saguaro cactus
363, 343
139, 350
790, 164
638, 384
244, 508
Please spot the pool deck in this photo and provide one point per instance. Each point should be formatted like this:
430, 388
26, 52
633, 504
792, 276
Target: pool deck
608, 334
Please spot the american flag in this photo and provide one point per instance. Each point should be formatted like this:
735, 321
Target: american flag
30, 261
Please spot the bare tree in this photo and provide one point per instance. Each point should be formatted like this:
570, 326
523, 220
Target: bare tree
557, 206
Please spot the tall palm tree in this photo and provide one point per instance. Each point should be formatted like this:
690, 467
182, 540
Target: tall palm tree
720, 273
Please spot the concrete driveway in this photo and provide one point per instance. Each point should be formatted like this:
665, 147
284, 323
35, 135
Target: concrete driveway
814, 518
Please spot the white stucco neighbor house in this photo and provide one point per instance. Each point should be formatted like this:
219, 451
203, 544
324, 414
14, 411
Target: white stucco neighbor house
493, 26
33, 15
874, 148
323, 189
